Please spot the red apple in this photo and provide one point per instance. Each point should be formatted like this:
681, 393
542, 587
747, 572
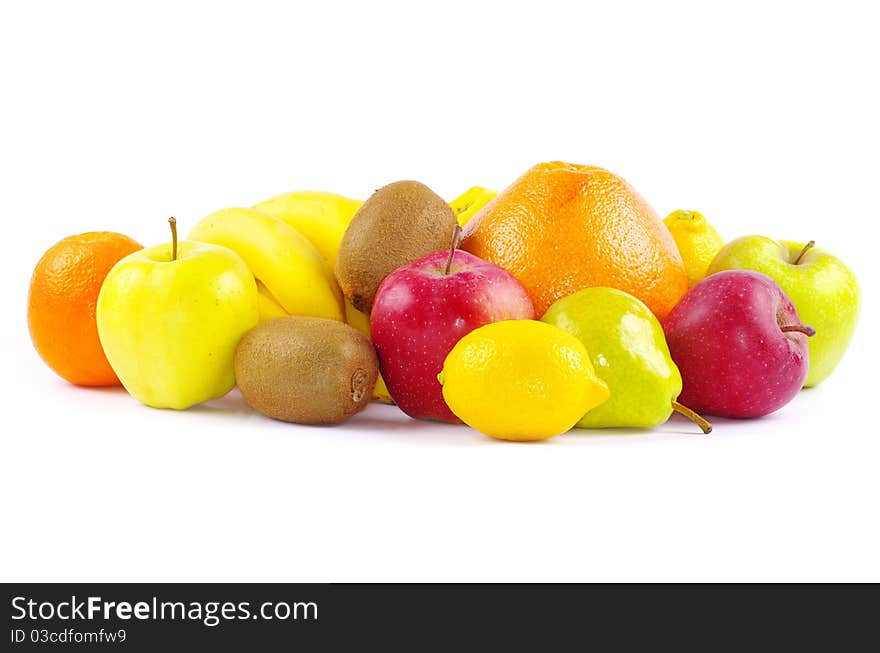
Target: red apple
422, 309
739, 344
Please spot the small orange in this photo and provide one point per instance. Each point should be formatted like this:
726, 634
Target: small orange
562, 227
61, 305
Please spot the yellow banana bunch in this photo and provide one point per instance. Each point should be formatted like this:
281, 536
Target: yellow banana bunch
322, 218
293, 278
471, 201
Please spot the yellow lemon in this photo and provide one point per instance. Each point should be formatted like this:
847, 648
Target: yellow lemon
697, 242
520, 380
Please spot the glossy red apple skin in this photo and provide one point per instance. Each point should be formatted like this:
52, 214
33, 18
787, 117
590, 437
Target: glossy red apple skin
420, 313
725, 337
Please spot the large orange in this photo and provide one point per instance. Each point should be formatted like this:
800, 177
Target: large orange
562, 227
61, 305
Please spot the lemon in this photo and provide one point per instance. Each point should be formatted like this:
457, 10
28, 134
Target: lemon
520, 380
697, 242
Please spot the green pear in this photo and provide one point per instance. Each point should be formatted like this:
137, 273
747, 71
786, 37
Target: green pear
822, 288
629, 352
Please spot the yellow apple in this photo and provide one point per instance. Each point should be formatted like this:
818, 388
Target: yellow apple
169, 324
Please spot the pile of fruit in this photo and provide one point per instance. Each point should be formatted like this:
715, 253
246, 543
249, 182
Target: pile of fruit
563, 301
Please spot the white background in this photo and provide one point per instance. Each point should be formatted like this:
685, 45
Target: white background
764, 116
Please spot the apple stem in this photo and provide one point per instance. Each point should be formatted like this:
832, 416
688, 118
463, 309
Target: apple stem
806, 248
456, 240
806, 329
696, 418
173, 223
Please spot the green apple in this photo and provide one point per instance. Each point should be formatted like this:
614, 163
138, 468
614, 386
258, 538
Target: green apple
822, 288
169, 318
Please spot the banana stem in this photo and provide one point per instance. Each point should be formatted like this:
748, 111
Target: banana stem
696, 418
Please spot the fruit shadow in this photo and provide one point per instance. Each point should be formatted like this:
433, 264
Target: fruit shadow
676, 427
608, 435
387, 422
229, 404
92, 390
376, 421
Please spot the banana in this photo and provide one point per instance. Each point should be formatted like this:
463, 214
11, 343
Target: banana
471, 201
322, 218
361, 322
268, 305
294, 276
319, 216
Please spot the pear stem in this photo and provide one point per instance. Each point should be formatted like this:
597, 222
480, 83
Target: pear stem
806, 248
697, 419
173, 223
806, 329
456, 240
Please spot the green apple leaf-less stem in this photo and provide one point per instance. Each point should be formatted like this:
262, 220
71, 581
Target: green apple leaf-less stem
173, 223
693, 416
456, 241
806, 248
806, 329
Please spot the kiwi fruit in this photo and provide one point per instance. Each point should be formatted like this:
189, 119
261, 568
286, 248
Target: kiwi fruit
306, 370
398, 224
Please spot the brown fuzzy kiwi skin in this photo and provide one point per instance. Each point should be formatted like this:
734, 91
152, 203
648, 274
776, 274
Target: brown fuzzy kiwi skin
400, 223
306, 370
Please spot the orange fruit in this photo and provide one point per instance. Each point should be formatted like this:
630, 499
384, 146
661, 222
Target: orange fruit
61, 305
560, 228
